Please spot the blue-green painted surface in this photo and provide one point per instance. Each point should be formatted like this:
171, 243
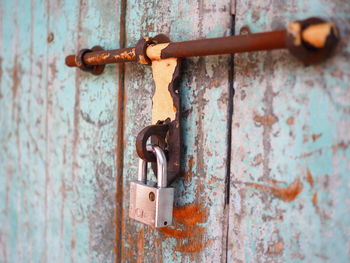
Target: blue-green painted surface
58, 137
57, 133
306, 143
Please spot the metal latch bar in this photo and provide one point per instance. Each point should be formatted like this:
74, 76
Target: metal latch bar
311, 40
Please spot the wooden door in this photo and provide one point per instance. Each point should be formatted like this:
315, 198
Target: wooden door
266, 160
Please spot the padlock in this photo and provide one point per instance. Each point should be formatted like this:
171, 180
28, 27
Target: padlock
152, 203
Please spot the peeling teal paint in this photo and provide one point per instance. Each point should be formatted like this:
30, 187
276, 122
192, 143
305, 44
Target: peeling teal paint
312, 228
58, 136
57, 197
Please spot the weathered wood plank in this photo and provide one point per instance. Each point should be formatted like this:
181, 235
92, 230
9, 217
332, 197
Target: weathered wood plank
199, 230
58, 131
15, 85
290, 145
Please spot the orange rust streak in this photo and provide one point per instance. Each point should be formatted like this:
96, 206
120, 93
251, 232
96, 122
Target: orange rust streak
183, 212
98, 58
188, 175
192, 247
316, 136
189, 235
266, 120
212, 180
174, 233
15, 78
290, 120
340, 146
286, 194
140, 246
276, 248
315, 199
309, 178
126, 55
194, 219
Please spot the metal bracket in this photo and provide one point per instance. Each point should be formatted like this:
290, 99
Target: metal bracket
166, 130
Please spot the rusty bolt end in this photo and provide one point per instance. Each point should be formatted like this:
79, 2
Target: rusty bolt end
312, 40
78, 61
70, 61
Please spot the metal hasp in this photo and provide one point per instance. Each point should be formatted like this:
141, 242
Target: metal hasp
311, 40
165, 130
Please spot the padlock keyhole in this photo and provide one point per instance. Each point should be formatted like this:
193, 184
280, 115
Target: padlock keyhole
151, 196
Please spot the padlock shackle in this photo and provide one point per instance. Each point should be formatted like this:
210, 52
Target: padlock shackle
142, 171
162, 171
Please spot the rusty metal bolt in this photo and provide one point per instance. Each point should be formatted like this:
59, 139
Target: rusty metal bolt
79, 60
312, 40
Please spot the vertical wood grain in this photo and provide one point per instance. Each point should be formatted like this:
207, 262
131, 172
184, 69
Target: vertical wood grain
58, 133
290, 144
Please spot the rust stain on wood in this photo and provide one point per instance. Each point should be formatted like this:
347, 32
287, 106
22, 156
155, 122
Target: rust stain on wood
212, 180
276, 248
188, 174
142, 60
258, 159
290, 120
315, 199
189, 234
15, 77
336, 147
140, 246
309, 178
287, 194
265, 120
340, 146
316, 136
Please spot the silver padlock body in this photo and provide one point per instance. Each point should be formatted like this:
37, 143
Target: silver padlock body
156, 213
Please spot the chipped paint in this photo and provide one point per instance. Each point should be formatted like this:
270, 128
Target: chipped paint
290, 120
204, 107
154, 52
54, 107
163, 105
315, 137
188, 174
309, 178
142, 60
276, 248
163, 74
295, 29
316, 35
265, 120
310, 139
126, 55
57, 168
